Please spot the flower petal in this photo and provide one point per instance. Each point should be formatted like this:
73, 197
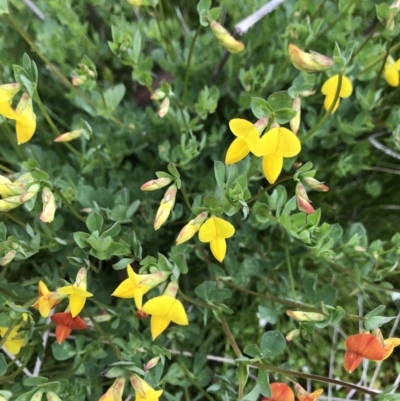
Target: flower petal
7, 111
208, 231
159, 306
388, 346
281, 392
177, 314
42, 288
62, 332
330, 86
218, 248
240, 127
125, 290
351, 361
366, 345
288, 143
76, 303
44, 307
223, 228
24, 132
67, 290
158, 325
237, 151
253, 142
391, 75
329, 101
272, 166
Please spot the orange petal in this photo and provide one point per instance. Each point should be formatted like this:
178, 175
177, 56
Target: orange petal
62, 332
280, 392
351, 361
388, 346
366, 345
66, 319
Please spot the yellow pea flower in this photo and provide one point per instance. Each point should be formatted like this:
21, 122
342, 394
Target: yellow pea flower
49, 206
388, 346
329, 90
276, 144
225, 38
191, 228
47, 300
26, 119
136, 285
7, 92
77, 292
164, 310
114, 393
392, 72
14, 342
303, 395
166, 205
215, 230
144, 392
247, 140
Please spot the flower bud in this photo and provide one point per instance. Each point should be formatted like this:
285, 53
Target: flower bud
29, 193
81, 278
51, 396
154, 279
303, 203
156, 184
37, 396
69, 136
292, 334
225, 38
8, 257
315, 184
79, 80
49, 206
150, 364
172, 289
8, 91
166, 205
309, 62
261, 124
164, 107
115, 391
191, 228
158, 95
7, 188
295, 121
306, 93
136, 3
301, 316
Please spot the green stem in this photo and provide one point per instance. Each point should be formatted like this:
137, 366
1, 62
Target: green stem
176, 101
195, 301
310, 376
366, 40
229, 336
106, 337
289, 267
8, 379
187, 74
253, 198
69, 206
189, 375
185, 197
103, 170
328, 113
378, 77
6, 169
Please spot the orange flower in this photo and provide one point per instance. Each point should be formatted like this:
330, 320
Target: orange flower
361, 346
47, 300
65, 323
280, 392
303, 395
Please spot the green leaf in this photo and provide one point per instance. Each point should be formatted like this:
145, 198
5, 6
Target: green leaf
382, 12
379, 309
203, 8
3, 365
253, 395
81, 239
272, 343
122, 264
283, 116
94, 222
173, 170
3, 231
260, 107
136, 47
34, 381
3, 7
180, 261
374, 322
215, 13
263, 382
252, 350
219, 171
112, 231
63, 351
280, 100
113, 97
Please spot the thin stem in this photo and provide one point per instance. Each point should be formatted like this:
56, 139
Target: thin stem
268, 187
289, 267
6, 169
185, 197
8, 379
168, 41
189, 375
103, 170
328, 113
322, 379
378, 77
312, 17
187, 74
366, 40
229, 336
176, 101
69, 206
105, 336
195, 301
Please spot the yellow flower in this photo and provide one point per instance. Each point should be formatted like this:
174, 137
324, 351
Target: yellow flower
7, 188
392, 72
26, 119
225, 38
136, 285
14, 342
7, 92
329, 90
114, 393
309, 62
215, 230
49, 206
247, 141
47, 300
191, 228
388, 346
276, 144
77, 293
143, 391
164, 310
166, 205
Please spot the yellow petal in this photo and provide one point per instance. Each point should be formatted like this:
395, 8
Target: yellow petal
330, 86
253, 142
208, 231
76, 303
237, 151
223, 228
139, 297
125, 290
240, 127
397, 64
44, 307
67, 290
272, 166
7, 111
158, 324
329, 101
132, 275
388, 346
14, 346
280, 141
218, 248
24, 132
159, 306
177, 313
43, 290
391, 75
